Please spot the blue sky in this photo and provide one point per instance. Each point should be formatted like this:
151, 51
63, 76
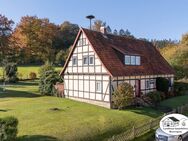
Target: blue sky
144, 18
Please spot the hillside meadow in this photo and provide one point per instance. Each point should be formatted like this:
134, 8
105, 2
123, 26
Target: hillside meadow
24, 71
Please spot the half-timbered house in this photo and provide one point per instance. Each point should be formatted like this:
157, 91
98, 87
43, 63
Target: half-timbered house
98, 62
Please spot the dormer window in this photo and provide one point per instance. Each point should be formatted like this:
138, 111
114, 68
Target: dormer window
132, 60
137, 60
127, 59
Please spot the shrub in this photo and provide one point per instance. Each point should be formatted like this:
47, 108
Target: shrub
11, 72
8, 129
162, 84
123, 96
20, 76
180, 87
47, 80
156, 97
32, 75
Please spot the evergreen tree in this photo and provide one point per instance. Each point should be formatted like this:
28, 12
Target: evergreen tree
115, 32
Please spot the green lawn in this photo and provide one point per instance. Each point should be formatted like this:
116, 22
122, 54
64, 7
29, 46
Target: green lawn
176, 101
24, 71
74, 121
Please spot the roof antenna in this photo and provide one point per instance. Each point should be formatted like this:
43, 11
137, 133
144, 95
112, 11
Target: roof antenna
90, 17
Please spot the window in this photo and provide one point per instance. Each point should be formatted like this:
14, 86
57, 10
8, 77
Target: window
84, 41
80, 42
127, 59
147, 84
98, 86
152, 82
137, 60
85, 60
132, 60
74, 60
91, 60
88, 60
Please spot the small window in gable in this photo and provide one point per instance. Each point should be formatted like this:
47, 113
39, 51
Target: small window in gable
127, 59
84, 41
80, 42
137, 60
74, 60
91, 60
85, 60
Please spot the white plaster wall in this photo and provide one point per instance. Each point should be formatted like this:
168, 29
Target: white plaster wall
80, 80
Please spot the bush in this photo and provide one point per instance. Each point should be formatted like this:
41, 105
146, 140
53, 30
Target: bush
32, 75
47, 80
162, 84
123, 96
8, 129
156, 97
11, 72
180, 87
20, 76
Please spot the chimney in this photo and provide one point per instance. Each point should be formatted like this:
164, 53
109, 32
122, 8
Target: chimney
103, 30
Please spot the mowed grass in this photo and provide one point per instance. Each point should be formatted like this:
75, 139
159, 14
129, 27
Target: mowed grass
176, 101
24, 71
74, 121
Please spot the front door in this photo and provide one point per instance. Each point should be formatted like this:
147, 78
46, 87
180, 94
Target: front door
137, 88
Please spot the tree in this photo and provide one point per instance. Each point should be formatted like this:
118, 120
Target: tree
98, 24
39, 40
108, 29
68, 32
128, 33
37, 37
123, 95
6, 26
121, 32
11, 72
184, 39
61, 56
162, 84
115, 32
47, 80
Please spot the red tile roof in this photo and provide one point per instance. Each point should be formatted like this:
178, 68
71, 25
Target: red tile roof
110, 47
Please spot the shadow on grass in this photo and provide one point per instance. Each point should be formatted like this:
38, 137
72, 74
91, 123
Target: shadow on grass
36, 138
4, 110
30, 83
14, 94
23, 83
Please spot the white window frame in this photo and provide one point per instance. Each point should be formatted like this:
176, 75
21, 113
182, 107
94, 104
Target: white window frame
133, 60
87, 61
80, 42
98, 86
138, 60
90, 60
84, 41
126, 58
147, 84
76, 61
